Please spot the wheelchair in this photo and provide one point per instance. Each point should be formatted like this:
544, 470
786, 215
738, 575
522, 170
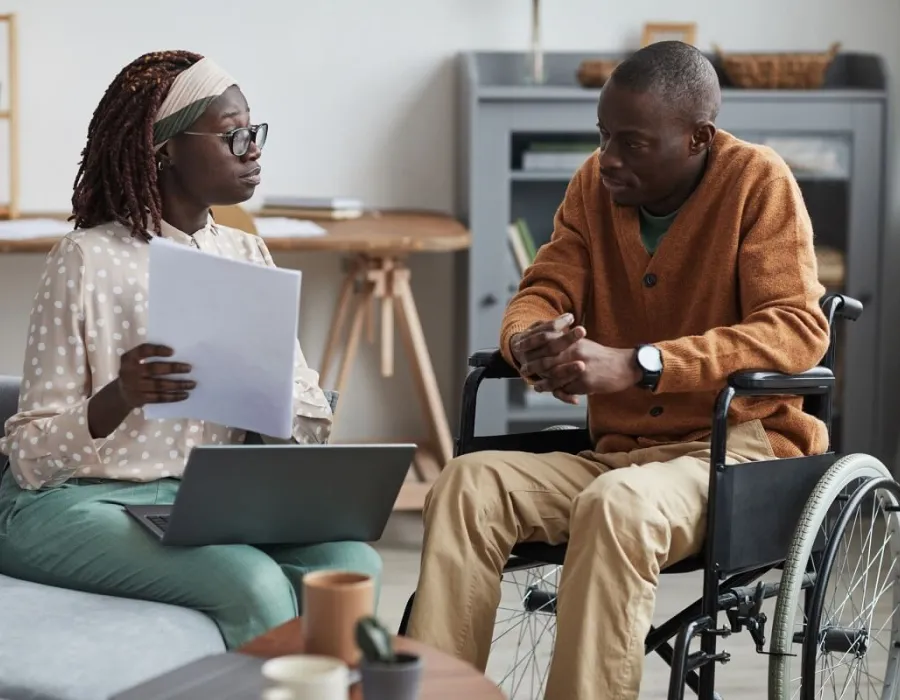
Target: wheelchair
797, 517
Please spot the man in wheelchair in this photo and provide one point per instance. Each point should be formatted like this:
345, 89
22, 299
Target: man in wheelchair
679, 256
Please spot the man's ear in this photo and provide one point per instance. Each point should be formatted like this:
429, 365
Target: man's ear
702, 138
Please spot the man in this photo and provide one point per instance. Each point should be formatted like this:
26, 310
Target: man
679, 256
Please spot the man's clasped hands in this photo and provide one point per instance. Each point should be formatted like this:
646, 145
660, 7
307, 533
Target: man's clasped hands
559, 358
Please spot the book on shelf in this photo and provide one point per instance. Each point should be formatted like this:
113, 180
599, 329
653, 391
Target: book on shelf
556, 156
522, 244
832, 270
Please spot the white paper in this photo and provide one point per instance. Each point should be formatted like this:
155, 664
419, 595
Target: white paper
235, 322
23, 229
285, 227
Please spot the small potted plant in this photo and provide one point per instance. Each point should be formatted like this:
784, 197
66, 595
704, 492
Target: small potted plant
386, 675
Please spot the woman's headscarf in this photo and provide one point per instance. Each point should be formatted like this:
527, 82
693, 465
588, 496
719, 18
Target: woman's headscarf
188, 98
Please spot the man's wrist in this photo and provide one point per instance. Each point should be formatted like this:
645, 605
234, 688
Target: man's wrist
636, 371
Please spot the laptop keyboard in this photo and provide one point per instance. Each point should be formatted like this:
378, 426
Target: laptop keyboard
161, 521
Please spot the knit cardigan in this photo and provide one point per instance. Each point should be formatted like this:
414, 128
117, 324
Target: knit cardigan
733, 286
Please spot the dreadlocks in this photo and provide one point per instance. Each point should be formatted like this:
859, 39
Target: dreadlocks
117, 176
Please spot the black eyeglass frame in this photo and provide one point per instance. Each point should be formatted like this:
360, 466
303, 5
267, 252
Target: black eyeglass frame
254, 131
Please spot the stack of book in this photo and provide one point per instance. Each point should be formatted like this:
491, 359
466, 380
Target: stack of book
313, 207
556, 156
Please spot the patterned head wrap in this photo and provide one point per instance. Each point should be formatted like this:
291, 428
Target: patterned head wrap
190, 95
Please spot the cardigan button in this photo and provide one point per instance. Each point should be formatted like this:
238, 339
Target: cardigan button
650, 280
656, 411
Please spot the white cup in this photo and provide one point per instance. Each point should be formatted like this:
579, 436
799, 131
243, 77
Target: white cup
309, 677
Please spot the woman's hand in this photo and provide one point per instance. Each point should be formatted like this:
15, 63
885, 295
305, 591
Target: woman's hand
139, 383
142, 381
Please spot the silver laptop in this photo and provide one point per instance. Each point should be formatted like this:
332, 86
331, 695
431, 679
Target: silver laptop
281, 494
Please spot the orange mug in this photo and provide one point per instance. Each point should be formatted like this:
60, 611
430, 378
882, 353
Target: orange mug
333, 602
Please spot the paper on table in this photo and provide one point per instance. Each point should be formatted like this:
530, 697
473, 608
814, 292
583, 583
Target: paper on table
23, 229
235, 322
285, 227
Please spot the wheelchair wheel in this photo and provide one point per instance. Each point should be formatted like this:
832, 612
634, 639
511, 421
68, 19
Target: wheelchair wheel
836, 629
524, 631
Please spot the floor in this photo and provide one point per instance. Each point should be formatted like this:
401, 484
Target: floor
744, 678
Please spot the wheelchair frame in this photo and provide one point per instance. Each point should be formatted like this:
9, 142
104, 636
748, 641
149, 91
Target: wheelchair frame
736, 552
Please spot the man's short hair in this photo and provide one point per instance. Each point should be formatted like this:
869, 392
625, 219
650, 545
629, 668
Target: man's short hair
679, 73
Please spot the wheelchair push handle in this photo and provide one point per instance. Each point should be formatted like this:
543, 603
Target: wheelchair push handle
842, 306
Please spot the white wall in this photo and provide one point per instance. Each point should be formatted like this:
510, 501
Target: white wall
359, 95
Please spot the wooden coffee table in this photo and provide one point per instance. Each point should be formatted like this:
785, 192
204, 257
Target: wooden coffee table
444, 678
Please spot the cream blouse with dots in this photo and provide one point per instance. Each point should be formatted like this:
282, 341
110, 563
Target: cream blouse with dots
90, 308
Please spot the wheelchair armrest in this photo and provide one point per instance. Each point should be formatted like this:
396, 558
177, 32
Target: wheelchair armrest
818, 380
495, 367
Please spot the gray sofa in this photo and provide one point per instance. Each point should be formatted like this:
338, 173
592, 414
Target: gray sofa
58, 644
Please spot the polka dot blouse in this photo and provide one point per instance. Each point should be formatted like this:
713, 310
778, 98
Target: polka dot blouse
90, 308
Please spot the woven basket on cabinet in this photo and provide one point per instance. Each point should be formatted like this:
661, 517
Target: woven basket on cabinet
783, 71
593, 73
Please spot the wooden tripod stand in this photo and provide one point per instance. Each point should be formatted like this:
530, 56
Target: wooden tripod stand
382, 282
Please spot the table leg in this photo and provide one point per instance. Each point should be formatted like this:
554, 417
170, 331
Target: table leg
344, 300
423, 371
362, 302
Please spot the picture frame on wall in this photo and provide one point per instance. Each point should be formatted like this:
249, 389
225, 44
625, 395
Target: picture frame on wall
669, 31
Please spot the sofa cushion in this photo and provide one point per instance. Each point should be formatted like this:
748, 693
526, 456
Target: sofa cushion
58, 644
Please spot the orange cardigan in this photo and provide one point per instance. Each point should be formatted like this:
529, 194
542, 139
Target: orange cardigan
733, 286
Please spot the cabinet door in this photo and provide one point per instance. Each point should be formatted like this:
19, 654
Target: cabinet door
832, 149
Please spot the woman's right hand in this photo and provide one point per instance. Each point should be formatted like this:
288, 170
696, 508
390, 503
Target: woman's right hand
142, 381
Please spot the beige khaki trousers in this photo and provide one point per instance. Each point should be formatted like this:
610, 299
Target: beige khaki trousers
625, 517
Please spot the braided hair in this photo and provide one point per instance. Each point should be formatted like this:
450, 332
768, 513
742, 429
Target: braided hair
117, 177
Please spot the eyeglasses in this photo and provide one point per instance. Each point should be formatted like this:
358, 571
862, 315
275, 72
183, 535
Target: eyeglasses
239, 139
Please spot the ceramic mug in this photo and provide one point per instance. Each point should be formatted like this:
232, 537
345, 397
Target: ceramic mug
333, 602
308, 677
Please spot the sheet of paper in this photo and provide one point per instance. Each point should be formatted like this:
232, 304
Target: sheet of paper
285, 227
23, 229
236, 323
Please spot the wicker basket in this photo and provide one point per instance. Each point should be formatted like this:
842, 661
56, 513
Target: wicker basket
593, 73
777, 71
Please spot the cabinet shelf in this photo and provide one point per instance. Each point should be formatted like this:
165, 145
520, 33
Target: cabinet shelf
565, 175
541, 175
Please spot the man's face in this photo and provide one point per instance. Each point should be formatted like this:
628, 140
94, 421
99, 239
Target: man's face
203, 166
646, 152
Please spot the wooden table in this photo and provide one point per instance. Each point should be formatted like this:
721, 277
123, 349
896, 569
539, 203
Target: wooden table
444, 677
376, 282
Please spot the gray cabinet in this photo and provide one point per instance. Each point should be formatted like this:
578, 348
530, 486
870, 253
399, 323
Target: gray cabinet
834, 139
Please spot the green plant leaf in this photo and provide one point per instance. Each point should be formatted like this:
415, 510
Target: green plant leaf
374, 641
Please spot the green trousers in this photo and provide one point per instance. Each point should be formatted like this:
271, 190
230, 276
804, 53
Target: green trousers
79, 536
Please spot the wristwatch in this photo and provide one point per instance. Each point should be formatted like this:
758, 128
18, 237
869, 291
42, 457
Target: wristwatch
649, 361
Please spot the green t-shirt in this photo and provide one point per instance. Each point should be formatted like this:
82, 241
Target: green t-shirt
653, 228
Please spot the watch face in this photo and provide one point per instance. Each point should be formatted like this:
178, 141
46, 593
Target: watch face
650, 359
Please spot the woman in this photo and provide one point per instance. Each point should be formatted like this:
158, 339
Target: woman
170, 138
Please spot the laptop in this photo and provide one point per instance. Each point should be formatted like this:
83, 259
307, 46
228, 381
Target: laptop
281, 494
